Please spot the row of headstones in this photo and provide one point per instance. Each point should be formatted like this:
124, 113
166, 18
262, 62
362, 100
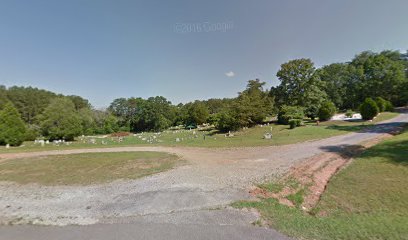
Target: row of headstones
149, 139
55, 142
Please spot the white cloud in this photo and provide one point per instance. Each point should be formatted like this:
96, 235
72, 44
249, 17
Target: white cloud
230, 74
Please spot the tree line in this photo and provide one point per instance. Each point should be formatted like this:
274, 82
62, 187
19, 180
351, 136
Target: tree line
371, 81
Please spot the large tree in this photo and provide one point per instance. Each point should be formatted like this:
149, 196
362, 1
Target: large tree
60, 120
12, 127
251, 107
197, 113
383, 75
253, 104
300, 86
29, 101
342, 84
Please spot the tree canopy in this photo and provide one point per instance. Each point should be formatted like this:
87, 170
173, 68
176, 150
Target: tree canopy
12, 127
303, 90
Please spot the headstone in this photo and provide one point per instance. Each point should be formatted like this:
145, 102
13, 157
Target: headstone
177, 139
7, 145
267, 136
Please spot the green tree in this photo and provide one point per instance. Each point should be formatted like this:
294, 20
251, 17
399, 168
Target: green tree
253, 105
383, 75
197, 113
342, 84
227, 121
369, 109
12, 127
287, 113
381, 103
216, 105
104, 122
29, 101
60, 120
327, 111
300, 86
87, 120
3, 97
79, 102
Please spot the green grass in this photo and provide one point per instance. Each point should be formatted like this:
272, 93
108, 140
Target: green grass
245, 138
297, 198
272, 187
367, 200
85, 168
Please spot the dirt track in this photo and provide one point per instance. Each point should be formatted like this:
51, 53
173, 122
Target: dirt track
212, 179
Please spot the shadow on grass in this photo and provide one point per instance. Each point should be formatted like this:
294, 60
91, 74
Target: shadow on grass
344, 150
365, 128
394, 150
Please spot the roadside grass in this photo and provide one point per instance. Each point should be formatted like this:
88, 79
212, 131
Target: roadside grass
209, 138
297, 198
366, 200
85, 168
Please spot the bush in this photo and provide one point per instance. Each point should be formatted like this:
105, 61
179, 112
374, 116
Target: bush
287, 113
12, 127
32, 133
389, 107
381, 103
60, 120
349, 113
227, 122
369, 109
326, 111
293, 123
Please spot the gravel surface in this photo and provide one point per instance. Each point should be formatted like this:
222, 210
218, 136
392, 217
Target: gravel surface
196, 193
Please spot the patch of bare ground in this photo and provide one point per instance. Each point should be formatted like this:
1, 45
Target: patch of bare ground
310, 177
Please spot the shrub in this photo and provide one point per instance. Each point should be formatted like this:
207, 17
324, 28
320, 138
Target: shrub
32, 133
326, 111
349, 113
389, 107
369, 109
293, 123
12, 127
227, 122
287, 113
60, 120
381, 103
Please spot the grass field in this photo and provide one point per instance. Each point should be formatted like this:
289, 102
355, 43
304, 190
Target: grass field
85, 168
367, 200
249, 137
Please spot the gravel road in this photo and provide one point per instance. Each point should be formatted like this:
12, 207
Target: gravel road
187, 200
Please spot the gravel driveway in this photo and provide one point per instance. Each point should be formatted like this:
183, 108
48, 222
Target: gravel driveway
196, 193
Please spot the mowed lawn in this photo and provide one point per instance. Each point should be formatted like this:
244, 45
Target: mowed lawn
244, 138
367, 200
85, 168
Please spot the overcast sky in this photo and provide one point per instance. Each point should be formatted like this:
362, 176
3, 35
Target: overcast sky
183, 50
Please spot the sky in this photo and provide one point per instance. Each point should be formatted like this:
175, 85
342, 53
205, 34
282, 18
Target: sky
183, 50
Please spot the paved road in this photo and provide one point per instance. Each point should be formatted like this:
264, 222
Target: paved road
145, 231
184, 203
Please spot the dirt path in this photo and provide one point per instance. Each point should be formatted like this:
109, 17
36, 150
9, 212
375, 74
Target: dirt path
212, 179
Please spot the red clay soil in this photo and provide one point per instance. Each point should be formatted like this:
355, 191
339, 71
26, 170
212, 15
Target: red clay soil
314, 174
